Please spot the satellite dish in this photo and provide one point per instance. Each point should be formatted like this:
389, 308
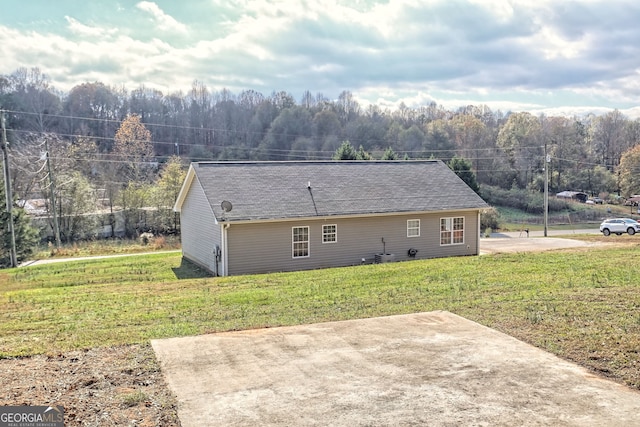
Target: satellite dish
226, 206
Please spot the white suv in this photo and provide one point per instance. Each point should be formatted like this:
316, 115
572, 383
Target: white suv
619, 226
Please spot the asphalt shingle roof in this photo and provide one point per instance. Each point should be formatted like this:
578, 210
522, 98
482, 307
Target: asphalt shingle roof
275, 190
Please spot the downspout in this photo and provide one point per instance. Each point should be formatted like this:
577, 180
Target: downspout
478, 236
224, 249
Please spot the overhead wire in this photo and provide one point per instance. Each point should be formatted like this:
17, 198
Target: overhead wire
257, 150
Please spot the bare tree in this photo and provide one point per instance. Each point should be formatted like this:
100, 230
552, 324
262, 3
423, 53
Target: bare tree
608, 136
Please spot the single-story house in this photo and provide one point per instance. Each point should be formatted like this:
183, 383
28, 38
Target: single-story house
634, 200
573, 195
258, 217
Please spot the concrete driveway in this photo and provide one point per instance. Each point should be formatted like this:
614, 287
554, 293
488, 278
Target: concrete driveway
534, 241
530, 244
434, 369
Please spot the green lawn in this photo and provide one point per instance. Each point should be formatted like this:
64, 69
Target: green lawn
583, 305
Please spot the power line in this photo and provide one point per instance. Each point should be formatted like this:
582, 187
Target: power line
299, 153
287, 154
202, 129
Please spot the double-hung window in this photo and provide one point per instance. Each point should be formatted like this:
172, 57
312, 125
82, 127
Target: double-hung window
329, 233
300, 242
452, 231
413, 228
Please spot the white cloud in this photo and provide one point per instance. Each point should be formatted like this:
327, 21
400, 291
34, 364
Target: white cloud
508, 54
502, 9
551, 43
165, 22
87, 31
116, 61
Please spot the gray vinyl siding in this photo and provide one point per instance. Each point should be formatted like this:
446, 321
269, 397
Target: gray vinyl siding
262, 247
199, 230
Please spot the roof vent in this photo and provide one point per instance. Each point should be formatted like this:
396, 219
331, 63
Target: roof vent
226, 206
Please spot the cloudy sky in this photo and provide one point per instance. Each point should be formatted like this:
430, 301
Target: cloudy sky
514, 55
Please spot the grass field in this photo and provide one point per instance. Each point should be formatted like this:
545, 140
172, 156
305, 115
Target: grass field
582, 305
579, 217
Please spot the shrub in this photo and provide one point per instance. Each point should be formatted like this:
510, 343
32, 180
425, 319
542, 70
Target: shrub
159, 242
146, 238
489, 219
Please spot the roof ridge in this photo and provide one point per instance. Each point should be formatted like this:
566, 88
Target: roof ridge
307, 162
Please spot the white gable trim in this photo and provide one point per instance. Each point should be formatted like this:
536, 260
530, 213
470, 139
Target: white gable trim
186, 185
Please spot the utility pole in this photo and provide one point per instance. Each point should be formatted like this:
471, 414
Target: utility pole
7, 190
52, 184
547, 160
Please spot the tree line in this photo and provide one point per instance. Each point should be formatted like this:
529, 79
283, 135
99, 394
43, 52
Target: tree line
506, 149
79, 130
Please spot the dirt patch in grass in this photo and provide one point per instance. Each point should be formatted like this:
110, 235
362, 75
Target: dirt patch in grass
114, 386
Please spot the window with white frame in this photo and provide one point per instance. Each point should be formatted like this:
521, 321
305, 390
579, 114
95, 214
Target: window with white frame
413, 228
329, 233
452, 231
300, 242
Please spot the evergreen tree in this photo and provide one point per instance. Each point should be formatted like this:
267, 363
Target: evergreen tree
389, 154
363, 155
462, 168
26, 235
345, 152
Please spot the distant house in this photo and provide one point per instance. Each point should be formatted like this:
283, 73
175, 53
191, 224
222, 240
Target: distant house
107, 223
573, 195
258, 217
